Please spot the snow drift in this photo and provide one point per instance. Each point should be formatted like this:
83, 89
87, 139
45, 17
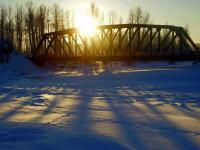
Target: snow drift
18, 63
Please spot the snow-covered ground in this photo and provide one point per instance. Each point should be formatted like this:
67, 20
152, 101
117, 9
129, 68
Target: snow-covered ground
100, 106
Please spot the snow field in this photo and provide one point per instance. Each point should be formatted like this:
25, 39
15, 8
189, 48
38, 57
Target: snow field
100, 106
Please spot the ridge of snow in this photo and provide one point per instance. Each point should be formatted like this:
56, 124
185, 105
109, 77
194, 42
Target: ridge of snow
18, 63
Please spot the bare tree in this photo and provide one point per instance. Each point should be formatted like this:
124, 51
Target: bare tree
113, 17
147, 18
3, 15
94, 10
41, 19
68, 18
62, 20
30, 25
19, 25
138, 16
48, 21
56, 16
9, 25
131, 16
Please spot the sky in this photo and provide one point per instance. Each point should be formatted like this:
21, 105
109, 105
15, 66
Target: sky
173, 12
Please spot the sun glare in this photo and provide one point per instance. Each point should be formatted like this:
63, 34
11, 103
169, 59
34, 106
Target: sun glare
85, 24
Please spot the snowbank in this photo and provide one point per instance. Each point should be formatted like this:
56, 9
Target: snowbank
18, 63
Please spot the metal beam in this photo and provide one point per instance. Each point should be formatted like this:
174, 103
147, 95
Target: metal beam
117, 40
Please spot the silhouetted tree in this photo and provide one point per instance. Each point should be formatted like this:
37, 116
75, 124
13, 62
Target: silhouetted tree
138, 16
69, 18
19, 26
94, 10
62, 20
3, 14
48, 20
56, 13
131, 16
30, 22
113, 17
40, 21
9, 26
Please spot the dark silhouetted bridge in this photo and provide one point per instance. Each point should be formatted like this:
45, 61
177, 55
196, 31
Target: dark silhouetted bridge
118, 42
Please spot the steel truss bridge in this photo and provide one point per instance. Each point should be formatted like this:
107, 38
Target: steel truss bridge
118, 42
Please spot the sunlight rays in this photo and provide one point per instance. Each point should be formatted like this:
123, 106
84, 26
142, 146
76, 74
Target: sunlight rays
86, 24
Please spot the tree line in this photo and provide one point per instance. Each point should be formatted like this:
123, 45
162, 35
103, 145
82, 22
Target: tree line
25, 25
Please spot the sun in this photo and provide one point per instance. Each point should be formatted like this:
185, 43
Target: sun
85, 24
